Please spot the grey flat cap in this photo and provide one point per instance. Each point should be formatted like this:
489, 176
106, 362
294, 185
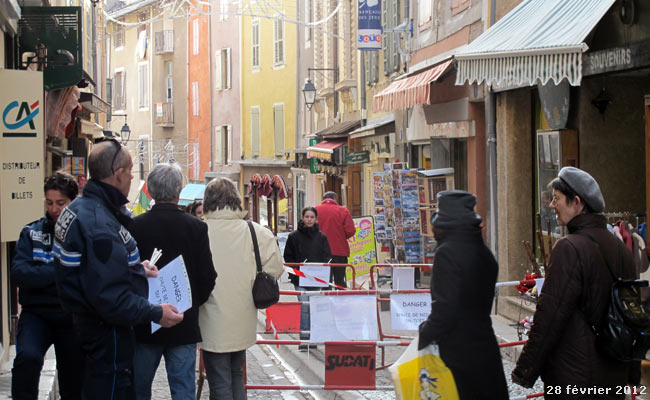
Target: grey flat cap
585, 186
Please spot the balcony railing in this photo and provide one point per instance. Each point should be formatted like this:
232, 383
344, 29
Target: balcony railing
165, 114
164, 42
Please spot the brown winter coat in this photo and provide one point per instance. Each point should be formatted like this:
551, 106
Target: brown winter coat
561, 346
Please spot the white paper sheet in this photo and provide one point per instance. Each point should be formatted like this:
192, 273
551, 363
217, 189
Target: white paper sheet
408, 311
172, 286
316, 270
403, 278
343, 318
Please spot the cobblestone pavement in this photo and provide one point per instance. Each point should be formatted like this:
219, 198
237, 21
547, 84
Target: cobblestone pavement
262, 368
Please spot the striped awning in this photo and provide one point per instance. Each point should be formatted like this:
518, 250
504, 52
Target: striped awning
538, 41
410, 91
324, 150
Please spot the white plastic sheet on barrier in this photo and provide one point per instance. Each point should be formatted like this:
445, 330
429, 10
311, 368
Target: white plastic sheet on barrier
403, 278
343, 318
315, 270
408, 311
539, 283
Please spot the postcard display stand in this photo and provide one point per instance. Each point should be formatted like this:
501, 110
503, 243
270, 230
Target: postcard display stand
430, 182
397, 211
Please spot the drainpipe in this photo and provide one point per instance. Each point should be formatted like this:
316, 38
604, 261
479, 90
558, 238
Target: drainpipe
211, 79
491, 159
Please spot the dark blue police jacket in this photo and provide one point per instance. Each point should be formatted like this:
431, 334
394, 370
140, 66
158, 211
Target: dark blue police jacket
99, 273
33, 270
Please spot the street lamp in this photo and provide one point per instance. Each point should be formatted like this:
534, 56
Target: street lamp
125, 132
309, 91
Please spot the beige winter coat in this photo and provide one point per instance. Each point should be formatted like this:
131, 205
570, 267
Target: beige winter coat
228, 319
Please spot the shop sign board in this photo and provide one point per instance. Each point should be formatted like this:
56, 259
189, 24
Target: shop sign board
363, 252
350, 365
21, 150
369, 24
357, 157
634, 55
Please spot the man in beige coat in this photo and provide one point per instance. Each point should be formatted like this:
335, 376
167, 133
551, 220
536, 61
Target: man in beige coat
228, 319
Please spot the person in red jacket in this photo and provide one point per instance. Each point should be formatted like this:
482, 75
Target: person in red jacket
336, 223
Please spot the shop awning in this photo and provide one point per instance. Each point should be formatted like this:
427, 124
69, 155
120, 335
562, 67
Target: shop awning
538, 41
338, 130
372, 125
409, 91
91, 129
324, 149
191, 192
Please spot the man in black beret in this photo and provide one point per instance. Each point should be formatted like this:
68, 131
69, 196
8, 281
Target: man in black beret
561, 347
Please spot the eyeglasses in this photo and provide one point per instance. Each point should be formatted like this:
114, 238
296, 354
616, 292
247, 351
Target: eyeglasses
118, 146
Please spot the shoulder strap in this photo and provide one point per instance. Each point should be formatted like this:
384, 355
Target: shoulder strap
609, 267
258, 260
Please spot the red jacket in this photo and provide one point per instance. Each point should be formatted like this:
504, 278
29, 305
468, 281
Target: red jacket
336, 223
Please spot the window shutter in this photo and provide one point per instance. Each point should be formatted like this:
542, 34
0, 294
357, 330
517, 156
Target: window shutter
385, 37
123, 90
255, 131
218, 158
228, 72
395, 53
278, 128
228, 146
218, 73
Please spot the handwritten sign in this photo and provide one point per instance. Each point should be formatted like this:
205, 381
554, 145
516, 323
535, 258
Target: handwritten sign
171, 286
343, 318
318, 271
408, 311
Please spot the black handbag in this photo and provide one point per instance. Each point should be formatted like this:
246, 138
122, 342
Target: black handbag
266, 291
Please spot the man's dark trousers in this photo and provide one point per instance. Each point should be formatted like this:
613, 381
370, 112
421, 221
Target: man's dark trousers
109, 351
338, 273
36, 333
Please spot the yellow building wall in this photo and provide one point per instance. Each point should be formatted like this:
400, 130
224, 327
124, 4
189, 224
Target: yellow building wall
268, 85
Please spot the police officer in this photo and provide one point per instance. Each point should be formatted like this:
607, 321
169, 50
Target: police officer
100, 277
42, 321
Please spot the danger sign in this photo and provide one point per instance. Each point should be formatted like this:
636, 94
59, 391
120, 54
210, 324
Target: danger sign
350, 366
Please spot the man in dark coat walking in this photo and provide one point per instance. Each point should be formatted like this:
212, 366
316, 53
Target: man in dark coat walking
561, 346
462, 289
175, 232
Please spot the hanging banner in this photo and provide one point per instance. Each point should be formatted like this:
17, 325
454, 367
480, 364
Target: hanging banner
363, 252
21, 151
369, 25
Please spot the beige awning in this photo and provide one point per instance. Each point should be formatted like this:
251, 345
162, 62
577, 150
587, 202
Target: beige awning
91, 129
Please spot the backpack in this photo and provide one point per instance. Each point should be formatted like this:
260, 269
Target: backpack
624, 332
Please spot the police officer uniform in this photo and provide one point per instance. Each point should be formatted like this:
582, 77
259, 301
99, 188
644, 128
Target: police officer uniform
102, 282
42, 321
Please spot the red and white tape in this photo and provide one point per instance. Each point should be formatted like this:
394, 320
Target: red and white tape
298, 272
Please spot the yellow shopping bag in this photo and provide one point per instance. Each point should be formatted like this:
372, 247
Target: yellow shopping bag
422, 375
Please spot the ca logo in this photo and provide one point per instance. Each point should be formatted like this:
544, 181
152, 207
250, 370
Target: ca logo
25, 115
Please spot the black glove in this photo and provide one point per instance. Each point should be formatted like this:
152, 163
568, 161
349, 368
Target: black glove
518, 378
423, 341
